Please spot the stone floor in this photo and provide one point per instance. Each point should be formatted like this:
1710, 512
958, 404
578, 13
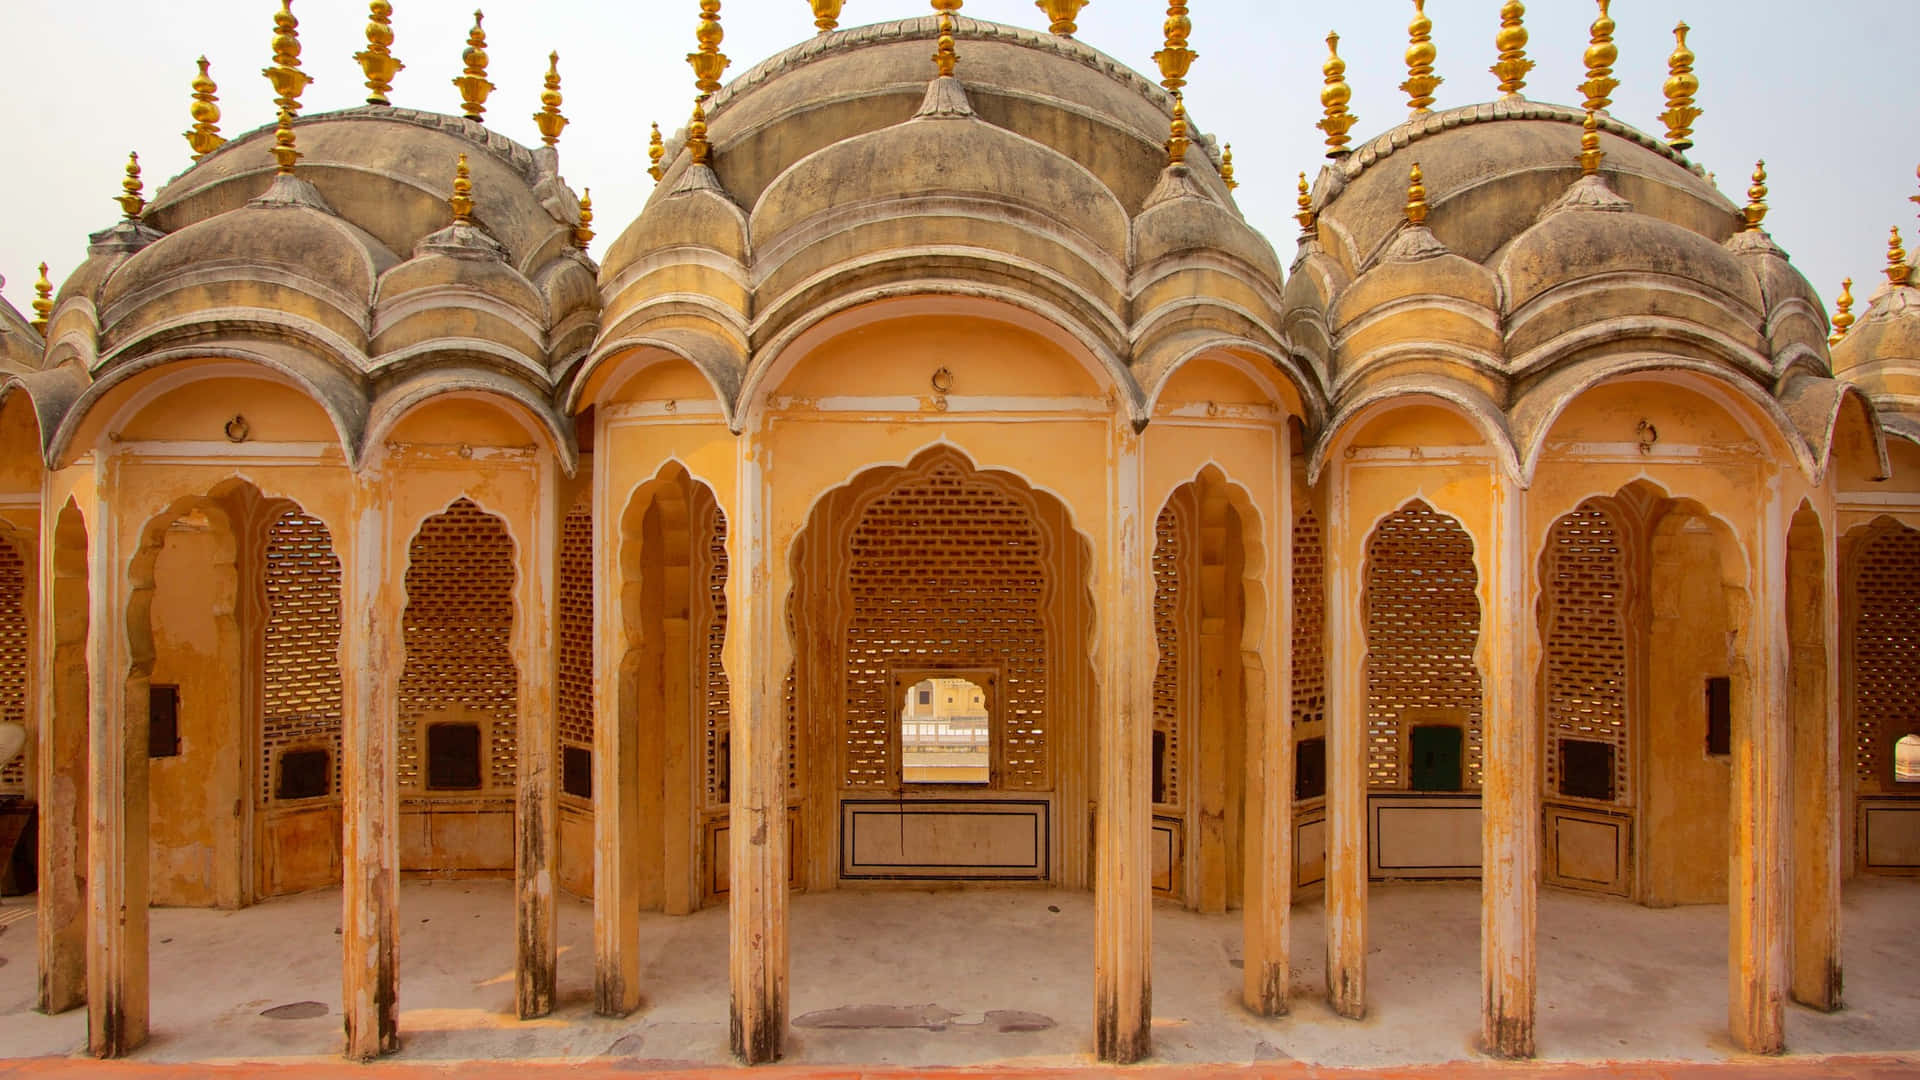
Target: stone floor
986, 976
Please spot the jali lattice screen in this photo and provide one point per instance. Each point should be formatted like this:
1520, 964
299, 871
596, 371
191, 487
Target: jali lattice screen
13, 656
949, 568
1586, 641
1886, 650
576, 626
1422, 622
1309, 620
1167, 552
301, 674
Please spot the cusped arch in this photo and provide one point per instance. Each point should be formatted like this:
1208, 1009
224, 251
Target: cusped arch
1467, 402
1253, 546
1540, 408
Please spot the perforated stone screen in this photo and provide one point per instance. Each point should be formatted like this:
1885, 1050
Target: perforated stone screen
1309, 620
949, 569
713, 670
13, 656
1586, 641
1422, 621
1167, 582
458, 629
575, 719
300, 678
1886, 650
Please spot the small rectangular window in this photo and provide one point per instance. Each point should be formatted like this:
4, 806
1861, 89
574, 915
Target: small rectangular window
576, 771
1310, 769
453, 757
1586, 769
1159, 766
1720, 715
1436, 757
163, 721
723, 766
926, 697
304, 774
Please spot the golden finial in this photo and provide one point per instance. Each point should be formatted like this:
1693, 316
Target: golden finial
826, 14
1898, 272
1416, 196
42, 301
1334, 97
656, 150
205, 135
461, 201
1843, 315
289, 82
1177, 140
1590, 152
697, 144
376, 60
1226, 168
1601, 53
284, 153
548, 118
1061, 14
583, 232
1305, 215
709, 62
131, 202
943, 52
1756, 210
1512, 42
1175, 59
1682, 84
472, 82
1421, 81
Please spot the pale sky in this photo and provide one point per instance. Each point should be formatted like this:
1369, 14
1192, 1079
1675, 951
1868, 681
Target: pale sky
1823, 91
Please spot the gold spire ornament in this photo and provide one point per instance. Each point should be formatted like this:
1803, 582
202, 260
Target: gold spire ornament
1681, 85
376, 60
697, 144
548, 118
130, 200
289, 82
826, 15
1061, 14
461, 202
205, 136
1334, 98
1898, 272
1421, 53
1756, 209
284, 154
1513, 65
1590, 152
1177, 139
583, 232
945, 57
1226, 168
1843, 313
656, 150
1601, 54
42, 301
1175, 59
1304, 213
709, 62
472, 82
1416, 196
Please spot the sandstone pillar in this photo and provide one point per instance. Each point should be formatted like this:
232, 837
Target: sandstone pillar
537, 822
616, 768
757, 892
1510, 788
1813, 623
117, 796
370, 661
1123, 869
61, 699
1266, 918
1757, 891
1346, 651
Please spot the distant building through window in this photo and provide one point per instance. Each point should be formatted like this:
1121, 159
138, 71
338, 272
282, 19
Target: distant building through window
1906, 759
946, 743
